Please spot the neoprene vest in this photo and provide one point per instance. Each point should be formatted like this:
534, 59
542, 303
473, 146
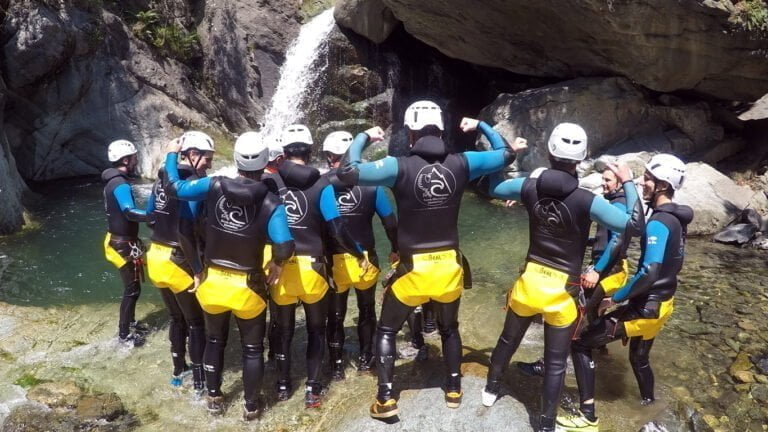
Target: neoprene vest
301, 196
603, 234
676, 218
559, 220
167, 219
428, 192
117, 223
357, 206
236, 227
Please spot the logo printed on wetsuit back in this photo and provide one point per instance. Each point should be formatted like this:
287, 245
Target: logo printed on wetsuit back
231, 217
434, 185
161, 199
553, 216
295, 205
349, 200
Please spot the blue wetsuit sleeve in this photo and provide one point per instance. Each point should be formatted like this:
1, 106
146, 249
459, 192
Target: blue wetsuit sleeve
383, 207
506, 189
277, 227
657, 235
186, 190
150, 203
483, 163
602, 212
607, 256
124, 197
328, 206
497, 142
382, 172
194, 208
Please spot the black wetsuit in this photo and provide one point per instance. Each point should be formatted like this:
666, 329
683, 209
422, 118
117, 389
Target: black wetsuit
357, 205
123, 227
654, 284
187, 321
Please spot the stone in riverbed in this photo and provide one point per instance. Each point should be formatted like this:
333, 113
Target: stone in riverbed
100, 406
761, 362
742, 363
747, 325
759, 392
63, 394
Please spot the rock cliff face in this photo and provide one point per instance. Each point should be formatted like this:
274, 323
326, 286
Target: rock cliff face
660, 44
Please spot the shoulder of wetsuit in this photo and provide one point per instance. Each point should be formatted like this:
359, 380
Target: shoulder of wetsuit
556, 183
682, 212
430, 148
186, 172
299, 176
616, 196
243, 191
111, 173
333, 179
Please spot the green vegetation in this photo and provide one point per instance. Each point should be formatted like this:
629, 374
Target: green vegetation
311, 8
754, 15
28, 380
169, 38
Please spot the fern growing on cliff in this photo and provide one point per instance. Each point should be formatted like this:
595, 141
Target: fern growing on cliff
754, 14
168, 37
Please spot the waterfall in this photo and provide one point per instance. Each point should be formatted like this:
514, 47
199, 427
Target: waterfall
298, 74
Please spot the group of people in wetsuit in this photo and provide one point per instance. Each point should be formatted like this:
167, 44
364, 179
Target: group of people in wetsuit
281, 233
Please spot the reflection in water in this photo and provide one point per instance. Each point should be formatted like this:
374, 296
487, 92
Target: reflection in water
60, 266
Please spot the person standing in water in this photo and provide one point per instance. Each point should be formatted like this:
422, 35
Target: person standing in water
357, 205
241, 215
122, 246
173, 259
428, 186
649, 294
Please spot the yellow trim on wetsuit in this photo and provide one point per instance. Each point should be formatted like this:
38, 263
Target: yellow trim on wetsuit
614, 281
299, 281
111, 254
267, 256
347, 273
163, 272
227, 290
648, 328
435, 276
542, 290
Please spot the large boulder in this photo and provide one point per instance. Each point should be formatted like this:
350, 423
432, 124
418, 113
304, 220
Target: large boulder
716, 199
663, 45
11, 184
369, 18
618, 116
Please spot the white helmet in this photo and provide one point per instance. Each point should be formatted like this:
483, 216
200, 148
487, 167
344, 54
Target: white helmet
668, 168
275, 149
568, 141
120, 149
423, 113
196, 140
337, 142
251, 153
296, 133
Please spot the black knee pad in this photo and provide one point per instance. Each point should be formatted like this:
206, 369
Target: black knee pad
214, 340
253, 351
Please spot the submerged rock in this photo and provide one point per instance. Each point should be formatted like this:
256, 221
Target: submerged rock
738, 234
64, 394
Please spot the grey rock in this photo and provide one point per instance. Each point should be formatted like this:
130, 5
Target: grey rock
12, 186
369, 18
552, 38
357, 82
738, 234
760, 393
761, 362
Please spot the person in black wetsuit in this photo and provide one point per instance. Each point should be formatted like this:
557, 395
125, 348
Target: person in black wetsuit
428, 186
241, 214
173, 260
122, 246
310, 203
649, 295
357, 206
560, 215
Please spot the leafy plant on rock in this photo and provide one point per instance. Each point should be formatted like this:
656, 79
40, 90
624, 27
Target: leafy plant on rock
168, 37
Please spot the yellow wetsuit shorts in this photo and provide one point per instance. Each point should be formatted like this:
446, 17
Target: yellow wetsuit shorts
436, 276
164, 269
543, 290
347, 273
230, 290
614, 281
648, 328
303, 278
119, 251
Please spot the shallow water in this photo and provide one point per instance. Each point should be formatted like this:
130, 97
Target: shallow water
60, 310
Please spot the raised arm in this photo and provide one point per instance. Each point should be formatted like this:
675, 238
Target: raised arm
613, 248
648, 273
186, 190
387, 216
382, 172
631, 221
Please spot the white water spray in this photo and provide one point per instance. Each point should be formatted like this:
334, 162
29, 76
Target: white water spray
297, 75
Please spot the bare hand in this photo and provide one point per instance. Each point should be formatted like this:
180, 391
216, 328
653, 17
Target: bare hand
509, 203
173, 146
589, 279
394, 257
519, 145
375, 133
198, 279
273, 273
622, 171
468, 124
365, 266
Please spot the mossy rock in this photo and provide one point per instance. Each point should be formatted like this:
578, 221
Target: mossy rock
106, 406
64, 394
311, 8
